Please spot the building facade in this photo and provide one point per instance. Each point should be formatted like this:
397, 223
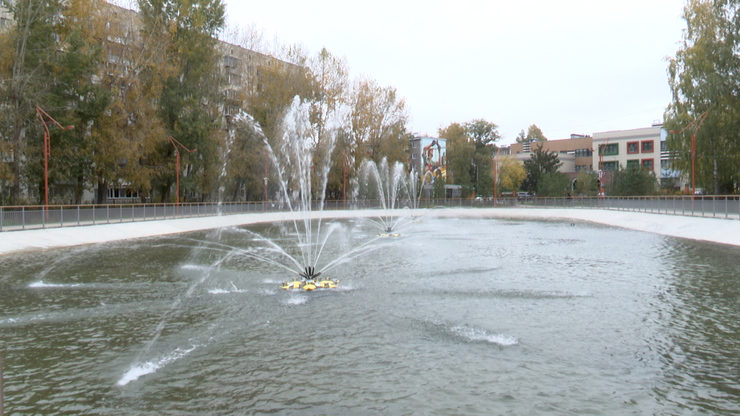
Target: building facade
574, 153
428, 155
634, 147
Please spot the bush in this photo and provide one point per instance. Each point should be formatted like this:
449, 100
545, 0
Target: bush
633, 181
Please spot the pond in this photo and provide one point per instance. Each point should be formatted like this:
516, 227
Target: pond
455, 316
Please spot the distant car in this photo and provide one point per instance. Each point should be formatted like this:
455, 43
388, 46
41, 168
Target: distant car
523, 195
507, 194
699, 191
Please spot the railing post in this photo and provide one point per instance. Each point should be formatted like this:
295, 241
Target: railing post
120, 212
1, 385
107, 213
78, 215
61, 216
23, 218
44, 213
93, 214
1, 228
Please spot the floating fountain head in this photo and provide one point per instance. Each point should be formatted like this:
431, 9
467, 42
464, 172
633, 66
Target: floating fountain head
309, 273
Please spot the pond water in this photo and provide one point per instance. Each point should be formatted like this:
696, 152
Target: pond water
455, 316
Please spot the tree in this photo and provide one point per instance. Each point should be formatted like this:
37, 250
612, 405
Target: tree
553, 184
522, 137
81, 103
632, 181
460, 154
330, 77
378, 122
511, 174
704, 78
534, 134
189, 103
483, 133
28, 48
540, 163
127, 150
279, 84
586, 184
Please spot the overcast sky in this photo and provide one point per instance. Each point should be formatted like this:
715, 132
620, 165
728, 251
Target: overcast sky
569, 66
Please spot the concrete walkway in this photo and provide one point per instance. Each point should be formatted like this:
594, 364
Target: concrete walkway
722, 231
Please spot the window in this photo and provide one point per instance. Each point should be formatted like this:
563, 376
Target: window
633, 163
609, 165
583, 152
609, 149
647, 163
647, 146
633, 147
663, 146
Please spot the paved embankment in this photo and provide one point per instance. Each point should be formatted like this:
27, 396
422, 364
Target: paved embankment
723, 231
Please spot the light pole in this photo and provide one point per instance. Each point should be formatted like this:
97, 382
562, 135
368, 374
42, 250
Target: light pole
43, 116
177, 145
698, 121
495, 175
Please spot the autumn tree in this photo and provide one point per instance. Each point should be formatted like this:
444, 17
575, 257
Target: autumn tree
511, 174
534, 134
267, 102
378, 122
704, 78
126, 151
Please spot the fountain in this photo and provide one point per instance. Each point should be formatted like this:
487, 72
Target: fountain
301, 161
387, 184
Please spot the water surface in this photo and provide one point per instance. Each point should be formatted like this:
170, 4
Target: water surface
457, 316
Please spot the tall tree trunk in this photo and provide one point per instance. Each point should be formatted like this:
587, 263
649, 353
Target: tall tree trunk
101, 196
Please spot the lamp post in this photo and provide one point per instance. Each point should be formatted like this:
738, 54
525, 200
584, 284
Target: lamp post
43, 116
177, 145
697, 121
495, 175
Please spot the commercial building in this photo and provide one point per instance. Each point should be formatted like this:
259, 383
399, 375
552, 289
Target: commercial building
574, 153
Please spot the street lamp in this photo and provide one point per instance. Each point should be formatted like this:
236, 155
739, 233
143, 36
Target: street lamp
698, 121
178, 145
43, 116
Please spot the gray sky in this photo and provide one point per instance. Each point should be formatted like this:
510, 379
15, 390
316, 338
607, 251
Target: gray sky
569, 66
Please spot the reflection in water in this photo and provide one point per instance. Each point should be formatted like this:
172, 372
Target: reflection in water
455, 317
699, 335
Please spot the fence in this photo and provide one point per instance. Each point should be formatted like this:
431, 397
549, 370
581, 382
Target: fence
33, 217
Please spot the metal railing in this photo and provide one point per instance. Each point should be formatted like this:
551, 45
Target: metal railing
27, 217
